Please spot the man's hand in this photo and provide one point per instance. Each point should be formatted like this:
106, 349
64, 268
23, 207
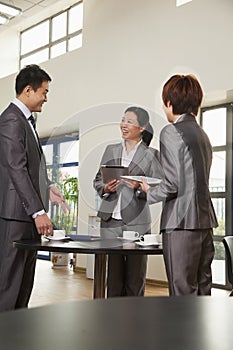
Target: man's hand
57, 198
43, 225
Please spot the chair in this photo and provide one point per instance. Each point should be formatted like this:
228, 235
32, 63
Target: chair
228, 244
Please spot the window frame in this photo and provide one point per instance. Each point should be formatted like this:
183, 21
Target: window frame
56, 141
227, 194
51, 43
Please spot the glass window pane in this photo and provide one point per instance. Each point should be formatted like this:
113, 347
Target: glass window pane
35, 37
218, 172
66, 172
69, 152
181, 2
36, 58
57, 50
59, 26
219, 207
76, 18
218, 264
214, 124
48, 151
67, 221
75, 42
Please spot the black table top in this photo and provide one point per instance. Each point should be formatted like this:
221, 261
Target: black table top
149, 323
96, 246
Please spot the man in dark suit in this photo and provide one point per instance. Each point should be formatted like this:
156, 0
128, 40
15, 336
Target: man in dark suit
188, 216
25, 188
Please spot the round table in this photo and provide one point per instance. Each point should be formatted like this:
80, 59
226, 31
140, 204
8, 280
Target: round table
93, 245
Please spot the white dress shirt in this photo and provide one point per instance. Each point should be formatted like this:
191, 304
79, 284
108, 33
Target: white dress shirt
126, 159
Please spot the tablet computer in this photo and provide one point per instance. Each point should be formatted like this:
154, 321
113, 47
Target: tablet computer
111, 172
152, 181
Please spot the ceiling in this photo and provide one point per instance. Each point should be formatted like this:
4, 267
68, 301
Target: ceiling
33, 11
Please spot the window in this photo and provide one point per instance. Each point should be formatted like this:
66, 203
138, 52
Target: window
182, 2
52, 37
217, 122
62, 156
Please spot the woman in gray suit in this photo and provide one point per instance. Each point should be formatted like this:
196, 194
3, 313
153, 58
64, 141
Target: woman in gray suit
188, 215
123, 206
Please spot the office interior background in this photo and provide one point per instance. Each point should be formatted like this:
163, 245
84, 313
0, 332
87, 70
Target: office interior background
105, 55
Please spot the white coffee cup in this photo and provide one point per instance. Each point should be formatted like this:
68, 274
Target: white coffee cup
149, 239
131, 235
59, 234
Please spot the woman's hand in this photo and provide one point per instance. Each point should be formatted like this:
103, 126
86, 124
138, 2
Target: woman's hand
111, 186
131, 183
144, 185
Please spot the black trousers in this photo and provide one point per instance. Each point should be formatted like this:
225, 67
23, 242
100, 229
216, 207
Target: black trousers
17, 267
126, 273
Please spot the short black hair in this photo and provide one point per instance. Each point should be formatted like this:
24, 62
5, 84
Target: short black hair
31, 75
184, 92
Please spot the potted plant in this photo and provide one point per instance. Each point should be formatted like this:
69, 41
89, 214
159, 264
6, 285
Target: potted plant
65, 221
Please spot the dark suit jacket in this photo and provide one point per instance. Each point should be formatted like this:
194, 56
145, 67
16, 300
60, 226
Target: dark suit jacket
23, 175
186, 157
134, 207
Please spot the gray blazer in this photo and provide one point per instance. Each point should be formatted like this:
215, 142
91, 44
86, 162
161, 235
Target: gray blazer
186, 157
134, 206
23, 175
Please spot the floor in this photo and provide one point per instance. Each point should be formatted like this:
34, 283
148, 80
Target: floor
63, 284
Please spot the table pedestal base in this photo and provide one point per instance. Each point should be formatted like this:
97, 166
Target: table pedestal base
100, 276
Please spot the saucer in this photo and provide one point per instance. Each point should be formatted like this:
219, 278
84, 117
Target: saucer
52, 238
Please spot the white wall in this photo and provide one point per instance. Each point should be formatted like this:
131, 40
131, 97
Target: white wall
9, 58
130, 48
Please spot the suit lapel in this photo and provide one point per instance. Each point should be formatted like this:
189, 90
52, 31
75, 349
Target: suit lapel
138, 156
38, 143
28, 128
117, 154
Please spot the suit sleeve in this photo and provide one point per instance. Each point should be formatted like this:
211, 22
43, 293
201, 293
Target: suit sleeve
170, 161
156, 167
14, 158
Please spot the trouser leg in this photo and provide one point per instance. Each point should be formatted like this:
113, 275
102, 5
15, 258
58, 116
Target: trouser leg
126, 273
27, 280
204, 270
115, 271
183, 256
116, 276
135, 280
17, 266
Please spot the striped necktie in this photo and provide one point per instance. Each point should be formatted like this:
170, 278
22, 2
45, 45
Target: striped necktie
33, 122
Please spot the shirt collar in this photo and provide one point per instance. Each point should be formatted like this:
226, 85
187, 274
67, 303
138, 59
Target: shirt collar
22, 107
135, 147
182, 116
177, 120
